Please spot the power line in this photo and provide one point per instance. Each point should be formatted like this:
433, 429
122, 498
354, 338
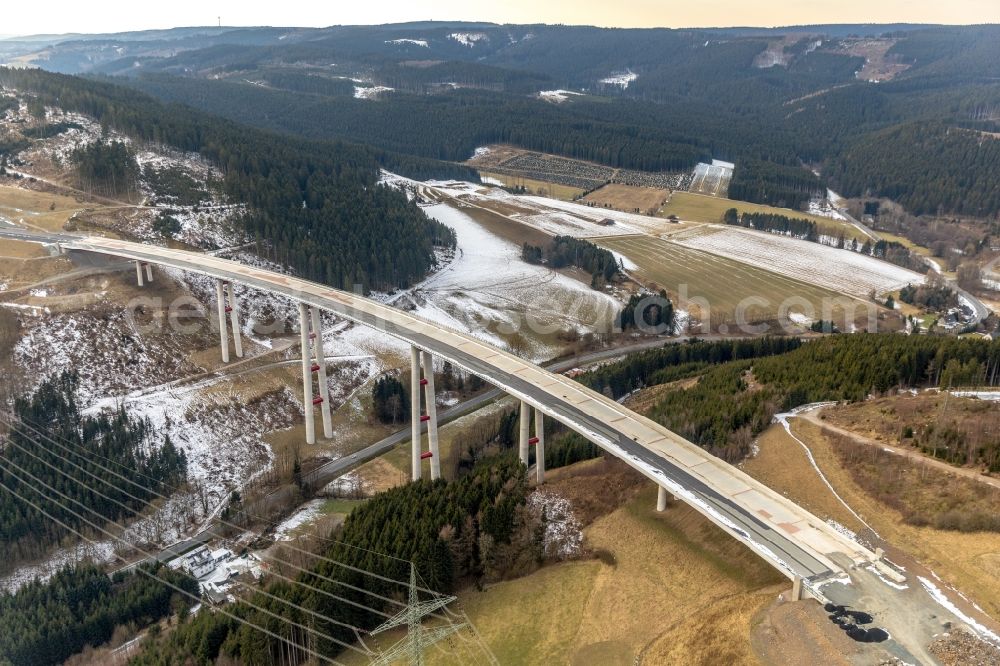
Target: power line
36, 430
155, 577
95, 512
308, 572
138, 514
421, 608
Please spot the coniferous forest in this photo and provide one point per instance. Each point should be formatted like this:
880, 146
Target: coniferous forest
312, 205
452, 531
46, 623
52, 448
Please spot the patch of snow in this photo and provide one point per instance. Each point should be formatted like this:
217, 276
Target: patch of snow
940, 597
414, 42
622, 79
370, 92
469, 38
100, 552
839, 270
305, 514
556, 96
563, 536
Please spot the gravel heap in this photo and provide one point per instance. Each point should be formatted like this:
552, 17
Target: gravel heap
960, 648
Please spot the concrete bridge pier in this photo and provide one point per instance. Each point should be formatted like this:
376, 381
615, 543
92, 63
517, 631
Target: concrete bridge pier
797, 589
320, 365
234, 318
539, 439
138, 272
220, 302
415, 413
432, 422
149, 272
307, 387
525, 424
661, 498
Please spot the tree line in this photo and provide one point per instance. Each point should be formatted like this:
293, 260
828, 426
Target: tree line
465, 529
105, 167
48, 622
566, 251
51, 413
313, 206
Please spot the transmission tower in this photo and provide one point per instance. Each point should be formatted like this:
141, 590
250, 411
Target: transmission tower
418, 638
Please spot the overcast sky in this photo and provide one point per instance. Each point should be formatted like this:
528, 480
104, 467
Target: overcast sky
60, 16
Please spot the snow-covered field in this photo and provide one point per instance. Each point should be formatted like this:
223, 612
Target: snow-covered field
488, 291
813, 263
305, 514
552, 216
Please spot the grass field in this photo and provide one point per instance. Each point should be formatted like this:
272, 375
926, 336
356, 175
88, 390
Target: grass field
722, 282
43, 211
539, 187
969, 561
627, 197
701, 208
670, 587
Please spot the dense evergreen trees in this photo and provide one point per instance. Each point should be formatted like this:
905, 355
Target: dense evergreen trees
658, 366
935, 295
651, 313
313, 206
106, 167
52, 412
927, 167
773, 223
449, 530
743, 383
46, 623
566, 251
390, 400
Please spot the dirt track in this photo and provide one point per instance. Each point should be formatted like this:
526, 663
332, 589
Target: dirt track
913, 455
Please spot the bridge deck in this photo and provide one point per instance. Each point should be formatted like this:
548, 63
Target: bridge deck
793, 540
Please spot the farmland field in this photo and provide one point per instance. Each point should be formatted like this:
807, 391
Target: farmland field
839, 270
724, 283
627, 197
700, 208
540, 187
711, 179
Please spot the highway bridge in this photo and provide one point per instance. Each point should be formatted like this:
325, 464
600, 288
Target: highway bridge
819, 560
